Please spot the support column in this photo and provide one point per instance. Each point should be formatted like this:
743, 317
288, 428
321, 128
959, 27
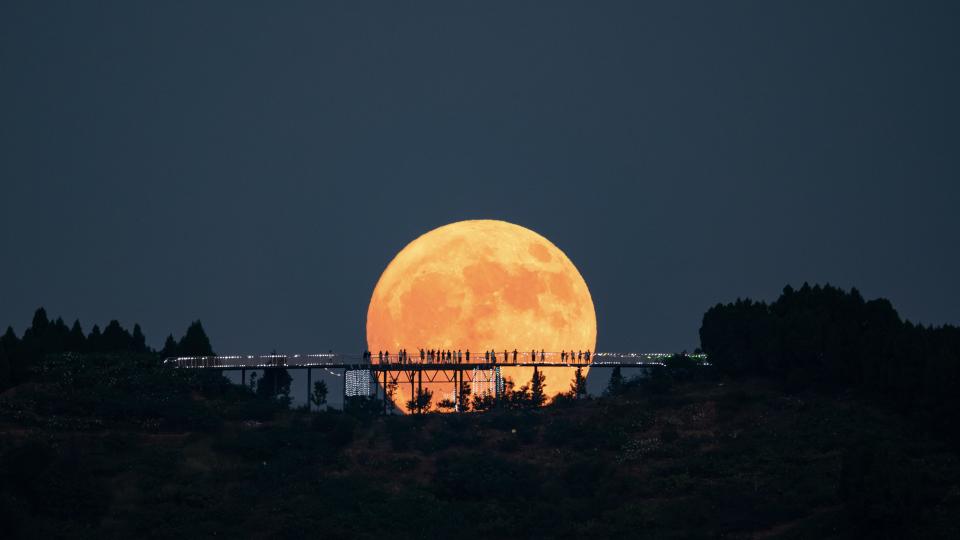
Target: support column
309, 387
413, 392
344, 406
419, 389
243, 376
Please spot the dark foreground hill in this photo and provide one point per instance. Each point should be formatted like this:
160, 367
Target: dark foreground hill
168, 455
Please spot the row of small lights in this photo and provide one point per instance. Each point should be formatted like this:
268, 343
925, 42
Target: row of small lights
358, 382
251, 357
333, 355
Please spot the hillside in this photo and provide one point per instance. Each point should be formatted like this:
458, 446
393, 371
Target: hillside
705, 459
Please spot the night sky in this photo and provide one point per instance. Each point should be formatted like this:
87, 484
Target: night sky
256, 165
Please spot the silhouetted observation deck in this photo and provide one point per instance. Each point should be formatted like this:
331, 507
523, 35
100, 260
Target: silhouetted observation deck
370, 376
411, 362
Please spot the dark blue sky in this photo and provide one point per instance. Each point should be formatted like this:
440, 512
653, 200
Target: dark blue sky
257, 164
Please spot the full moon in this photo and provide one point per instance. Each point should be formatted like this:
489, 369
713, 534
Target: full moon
482, 285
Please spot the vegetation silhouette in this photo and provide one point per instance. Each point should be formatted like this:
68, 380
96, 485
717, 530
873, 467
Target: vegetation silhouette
615, 385
825, 338
578, 388
420, 403
820, 415
19, 357
318, 396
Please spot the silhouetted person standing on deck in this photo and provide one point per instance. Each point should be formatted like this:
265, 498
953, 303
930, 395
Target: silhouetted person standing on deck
468, 356
514, 356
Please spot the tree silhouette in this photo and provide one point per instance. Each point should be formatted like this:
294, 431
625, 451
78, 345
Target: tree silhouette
115, 338
615, 386
391, 391
319, 395
138, 342
169, 348
446, 404
195, 342
483, 402
36, 341
420, 403
40, 321
463, 396
827, 338
76, 341
537, 396
275, 383
58, 336
512, 397
17, 366
579, 385
94, 340
5, 379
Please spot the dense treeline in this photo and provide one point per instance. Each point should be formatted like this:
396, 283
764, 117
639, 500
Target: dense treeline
19, 356
827, 338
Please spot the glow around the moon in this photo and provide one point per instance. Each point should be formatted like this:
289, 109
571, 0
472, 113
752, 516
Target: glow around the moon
482, 285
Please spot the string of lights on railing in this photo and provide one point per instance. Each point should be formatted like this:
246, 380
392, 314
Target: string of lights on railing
330, 359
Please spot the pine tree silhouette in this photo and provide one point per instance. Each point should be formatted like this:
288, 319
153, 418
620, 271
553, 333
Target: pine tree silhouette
115, 338
95, 340
76, 341
58, 335
9, 342
195, 342
8, 346
36, 338
579, 385
169, 349
40, 320
138, 342
537, 396
5, 379
616, 382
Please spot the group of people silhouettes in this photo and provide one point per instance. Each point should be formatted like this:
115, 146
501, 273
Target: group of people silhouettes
439, 356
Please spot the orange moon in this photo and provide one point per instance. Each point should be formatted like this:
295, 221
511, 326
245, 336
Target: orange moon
482, 285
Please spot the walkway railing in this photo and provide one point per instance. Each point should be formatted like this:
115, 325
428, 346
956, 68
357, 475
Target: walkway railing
393, 361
